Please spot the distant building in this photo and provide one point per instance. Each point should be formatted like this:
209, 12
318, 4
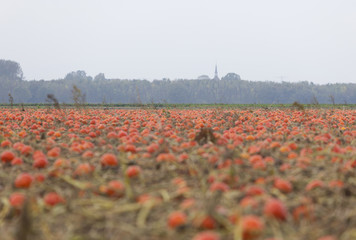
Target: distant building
204, 77
230, 76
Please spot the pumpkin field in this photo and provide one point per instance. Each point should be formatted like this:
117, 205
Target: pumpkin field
192, 174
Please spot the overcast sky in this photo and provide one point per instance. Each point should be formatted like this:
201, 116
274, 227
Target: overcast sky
312, 40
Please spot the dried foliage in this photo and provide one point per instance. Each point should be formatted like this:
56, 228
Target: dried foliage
24, 226
205, 135
51, 98
78, 97
314, 100
298, 106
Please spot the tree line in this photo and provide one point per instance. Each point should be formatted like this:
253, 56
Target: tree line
230, 89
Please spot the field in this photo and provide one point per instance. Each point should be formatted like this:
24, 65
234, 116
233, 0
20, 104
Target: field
203, 174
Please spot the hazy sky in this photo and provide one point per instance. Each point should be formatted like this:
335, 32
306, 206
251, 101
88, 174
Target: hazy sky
313, 40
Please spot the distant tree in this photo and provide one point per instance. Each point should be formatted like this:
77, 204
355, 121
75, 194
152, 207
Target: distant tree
11, 100
314, 100
21, 93
229, 90
78, 75
78, 96
177, 93
332, 99
100, 77
231, 76
10, 69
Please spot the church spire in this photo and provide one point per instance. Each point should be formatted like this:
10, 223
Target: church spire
216, 77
